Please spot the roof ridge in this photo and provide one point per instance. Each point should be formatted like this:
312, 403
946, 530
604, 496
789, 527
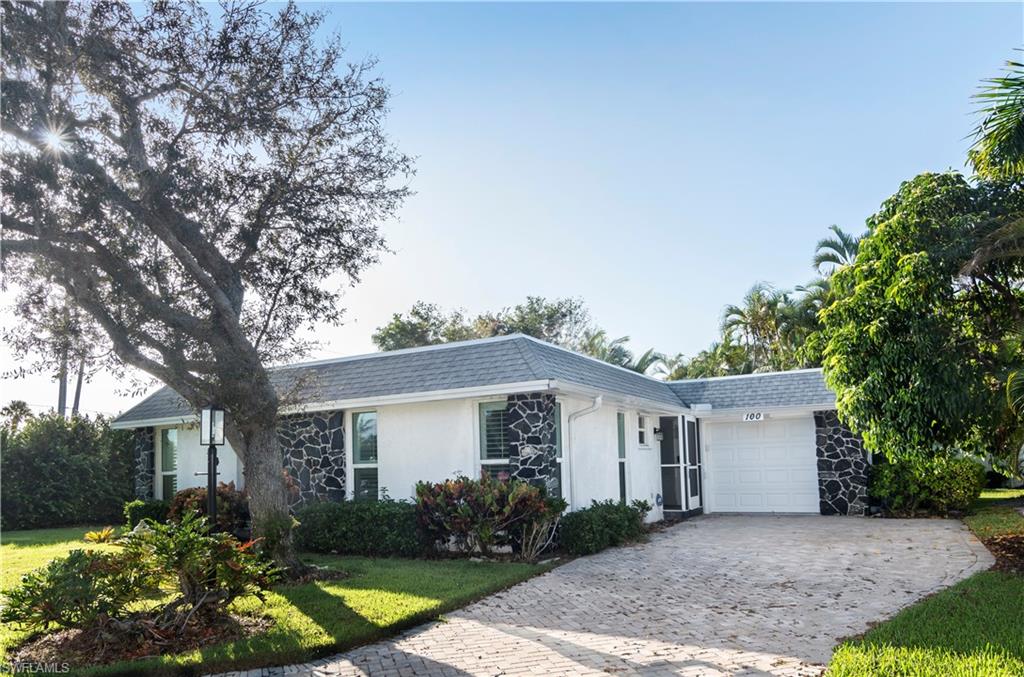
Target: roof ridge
535, 362
400, 351
756, 374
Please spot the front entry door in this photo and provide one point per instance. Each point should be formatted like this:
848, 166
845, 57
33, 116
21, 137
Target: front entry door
692, 464
673, 498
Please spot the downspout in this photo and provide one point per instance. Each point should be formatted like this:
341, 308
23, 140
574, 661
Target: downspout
594, 406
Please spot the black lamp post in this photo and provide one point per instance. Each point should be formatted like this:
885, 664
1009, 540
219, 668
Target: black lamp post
211, 433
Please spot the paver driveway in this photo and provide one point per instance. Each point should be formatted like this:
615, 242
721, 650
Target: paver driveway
714, 595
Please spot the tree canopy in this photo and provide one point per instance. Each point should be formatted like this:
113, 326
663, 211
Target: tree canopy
191, 182
913, 345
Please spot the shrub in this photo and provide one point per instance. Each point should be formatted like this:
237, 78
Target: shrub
478, 515
83, 589
138, 510
937, 484
369, 528
104, 535
210, 570
232, 507
91, 589
59, 471
603, 525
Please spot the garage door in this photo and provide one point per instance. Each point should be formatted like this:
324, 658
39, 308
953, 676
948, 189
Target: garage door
768, 466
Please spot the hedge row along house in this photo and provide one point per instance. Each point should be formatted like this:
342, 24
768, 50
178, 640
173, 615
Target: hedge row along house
369, 426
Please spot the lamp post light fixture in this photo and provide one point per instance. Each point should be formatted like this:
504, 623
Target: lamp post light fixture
211, 433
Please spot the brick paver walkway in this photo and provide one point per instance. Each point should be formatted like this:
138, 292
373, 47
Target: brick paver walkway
717, 595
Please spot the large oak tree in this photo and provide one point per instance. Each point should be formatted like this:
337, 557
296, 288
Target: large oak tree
201, 184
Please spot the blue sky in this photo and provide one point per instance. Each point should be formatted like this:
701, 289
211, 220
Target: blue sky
654, 159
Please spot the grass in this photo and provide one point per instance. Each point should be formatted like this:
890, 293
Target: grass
973, 629
995, 513
378, 599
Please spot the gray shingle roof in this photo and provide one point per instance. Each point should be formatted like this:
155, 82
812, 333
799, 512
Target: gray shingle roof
805, 387
503, 360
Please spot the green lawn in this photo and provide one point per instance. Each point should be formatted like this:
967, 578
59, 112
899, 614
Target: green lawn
974, 629
379, 598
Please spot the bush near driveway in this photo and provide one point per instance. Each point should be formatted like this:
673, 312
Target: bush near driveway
603, 525
59, 471
937, 484
370, 528
378, 598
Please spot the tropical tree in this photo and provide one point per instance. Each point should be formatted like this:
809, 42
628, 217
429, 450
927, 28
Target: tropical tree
726, 357
998, 153
998, 149
192, 182
52, 335
914, 348
649, 361
835, 251
595, 342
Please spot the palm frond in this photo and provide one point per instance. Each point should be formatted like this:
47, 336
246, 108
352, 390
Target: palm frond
1015, 392
998, 149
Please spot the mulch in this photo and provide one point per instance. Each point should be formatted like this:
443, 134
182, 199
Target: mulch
1009, 552
83, 648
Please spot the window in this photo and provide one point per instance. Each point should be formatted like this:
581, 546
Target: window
364, 456
557, 484
641, 430
168, 463
622, 455
494, 439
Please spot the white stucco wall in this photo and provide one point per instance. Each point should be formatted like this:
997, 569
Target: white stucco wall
427, 441
595, 452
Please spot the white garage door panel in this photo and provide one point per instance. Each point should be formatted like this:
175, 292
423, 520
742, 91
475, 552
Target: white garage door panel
768, 466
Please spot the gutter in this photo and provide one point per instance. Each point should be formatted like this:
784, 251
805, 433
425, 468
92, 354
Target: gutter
594, 406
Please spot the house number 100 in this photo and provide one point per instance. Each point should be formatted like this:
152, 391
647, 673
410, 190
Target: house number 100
753, 416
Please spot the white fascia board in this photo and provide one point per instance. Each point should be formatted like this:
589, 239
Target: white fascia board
151, 422
711, 414
426, 396
640, 403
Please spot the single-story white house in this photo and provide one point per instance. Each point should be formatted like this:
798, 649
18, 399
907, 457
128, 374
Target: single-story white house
373, 425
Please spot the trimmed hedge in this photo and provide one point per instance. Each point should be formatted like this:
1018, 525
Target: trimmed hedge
937, 484
138, 510
369, 528
603, 525
59, 472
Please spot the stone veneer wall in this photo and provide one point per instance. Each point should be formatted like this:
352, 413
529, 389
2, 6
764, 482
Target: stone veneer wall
842, 467
143, 451
531, 439
313, 446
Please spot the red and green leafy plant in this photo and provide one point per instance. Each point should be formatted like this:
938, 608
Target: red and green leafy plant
467, 515
232, 507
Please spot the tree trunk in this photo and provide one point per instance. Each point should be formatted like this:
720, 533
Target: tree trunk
62, 385
78, 387
268, 496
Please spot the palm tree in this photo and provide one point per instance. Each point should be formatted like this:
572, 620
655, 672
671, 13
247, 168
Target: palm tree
998, 150
673, 367
595, 342
835, 251
722, 358
756, 322
650, 360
